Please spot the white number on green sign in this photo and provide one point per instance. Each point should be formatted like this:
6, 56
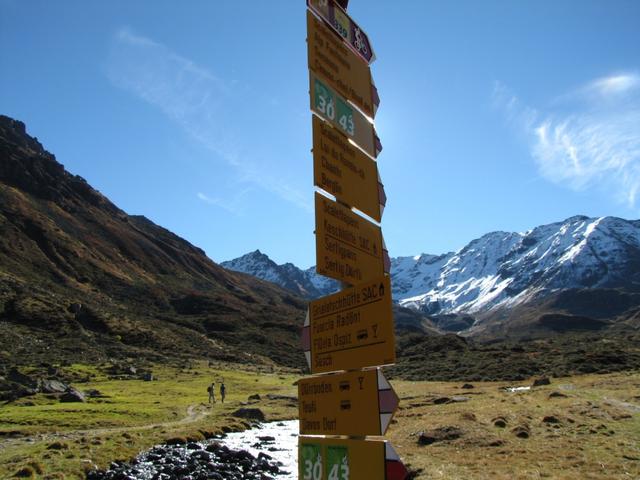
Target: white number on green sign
311, 463
345, 117
324, 101
338, 463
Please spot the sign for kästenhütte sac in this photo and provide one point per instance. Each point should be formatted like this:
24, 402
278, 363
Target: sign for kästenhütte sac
351, 329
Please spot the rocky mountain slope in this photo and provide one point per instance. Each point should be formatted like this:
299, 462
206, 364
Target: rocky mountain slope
81, 280
305, 283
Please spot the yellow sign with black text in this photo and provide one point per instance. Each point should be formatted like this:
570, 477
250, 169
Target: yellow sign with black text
345, 172
352, 329
348, 247
340, 66
357, 403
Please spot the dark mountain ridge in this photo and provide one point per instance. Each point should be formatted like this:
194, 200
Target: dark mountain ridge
80, 279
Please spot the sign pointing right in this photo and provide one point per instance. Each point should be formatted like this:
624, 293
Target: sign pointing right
357, 403
323, 458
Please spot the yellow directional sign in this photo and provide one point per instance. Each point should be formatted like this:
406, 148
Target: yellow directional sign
331, 106
344, 171
330, 57
344, 459
351, 329
357, 403
348, 247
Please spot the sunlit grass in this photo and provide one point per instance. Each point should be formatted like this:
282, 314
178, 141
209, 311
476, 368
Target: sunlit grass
121, 424
591, 441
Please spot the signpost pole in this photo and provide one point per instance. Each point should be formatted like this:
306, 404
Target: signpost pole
347, 337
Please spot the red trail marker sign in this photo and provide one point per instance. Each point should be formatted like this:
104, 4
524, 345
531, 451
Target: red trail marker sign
344, 26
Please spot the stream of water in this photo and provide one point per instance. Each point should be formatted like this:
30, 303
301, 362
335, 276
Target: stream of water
283, 448
267, 451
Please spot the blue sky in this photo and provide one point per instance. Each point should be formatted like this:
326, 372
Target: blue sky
494, 115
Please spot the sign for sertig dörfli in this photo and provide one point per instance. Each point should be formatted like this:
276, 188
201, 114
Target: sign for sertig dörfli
345, 171
348, 247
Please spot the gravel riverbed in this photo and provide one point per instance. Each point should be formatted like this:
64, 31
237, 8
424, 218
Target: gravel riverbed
263, 453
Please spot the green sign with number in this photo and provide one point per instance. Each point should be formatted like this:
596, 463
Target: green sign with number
310, 462
325, 102
345, 117
337, 463
318, 463
335, 109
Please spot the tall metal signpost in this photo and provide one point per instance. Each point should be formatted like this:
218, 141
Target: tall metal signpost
348, 336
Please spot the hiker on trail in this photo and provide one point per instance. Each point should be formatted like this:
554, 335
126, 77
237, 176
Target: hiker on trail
223, 390
212, 393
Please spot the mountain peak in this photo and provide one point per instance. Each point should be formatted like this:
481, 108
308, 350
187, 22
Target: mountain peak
16, 132
503, 268
306, 283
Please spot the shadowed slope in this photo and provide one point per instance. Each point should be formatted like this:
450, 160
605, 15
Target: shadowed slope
81, 279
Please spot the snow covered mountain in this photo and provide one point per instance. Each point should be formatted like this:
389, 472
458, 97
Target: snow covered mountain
306, 283
582, 266
503, 270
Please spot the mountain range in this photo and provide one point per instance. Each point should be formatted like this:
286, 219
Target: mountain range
83, 281
580, 273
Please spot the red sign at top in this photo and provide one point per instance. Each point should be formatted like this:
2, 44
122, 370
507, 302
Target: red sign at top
344, 26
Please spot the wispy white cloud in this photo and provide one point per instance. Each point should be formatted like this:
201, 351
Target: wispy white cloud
232, 204
614, 84
197, 100
589, 138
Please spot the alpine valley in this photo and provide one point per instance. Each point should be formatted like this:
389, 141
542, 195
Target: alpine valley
83, 281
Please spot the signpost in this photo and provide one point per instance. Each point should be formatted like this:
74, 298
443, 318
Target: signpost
351, 329
358, 403
344, 459
348, 247
344, 26
349, 335
346, 172
332, 107
345, 72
